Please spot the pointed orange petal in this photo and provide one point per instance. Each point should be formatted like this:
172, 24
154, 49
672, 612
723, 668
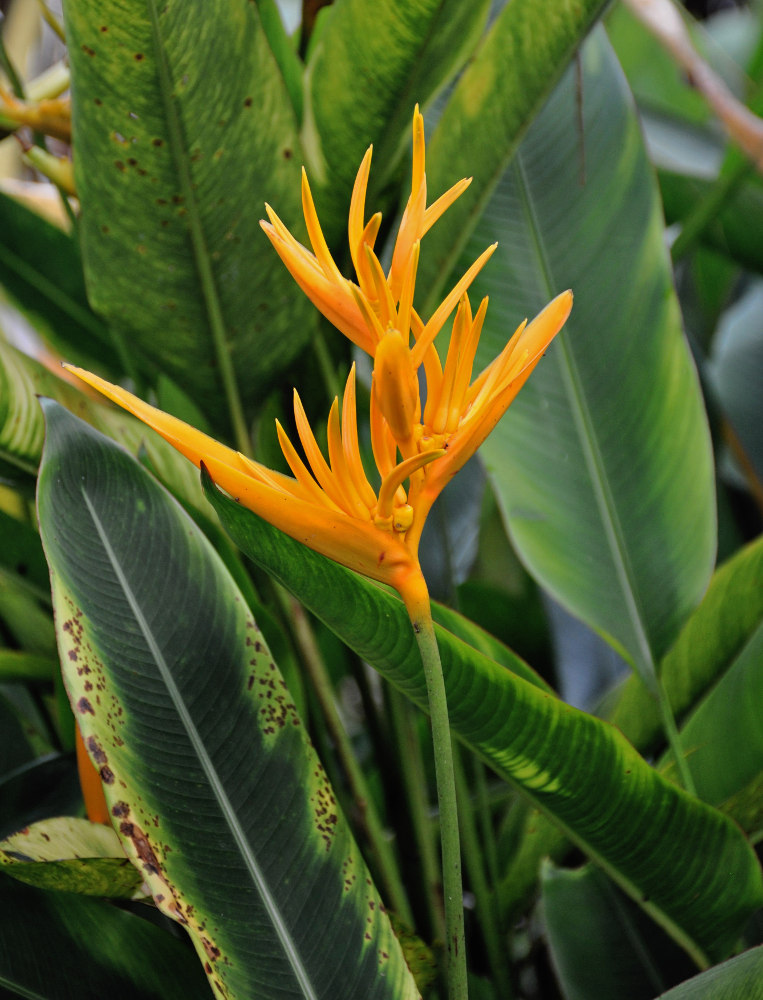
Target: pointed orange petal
382, 443
465, 365
419, 151
399, 474
328, 481
350, 500
443, 203
461, 326
350, 444
310, 489
356, 219
332, 298
314, 231
403, 323
396, 387
190, 442
353, 543
446, 307
382, 294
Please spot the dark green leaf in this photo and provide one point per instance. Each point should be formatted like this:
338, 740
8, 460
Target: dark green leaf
183, 129
603, 465
56, 946
659, 844
217, 794
511, 75
602, 946
40, 268
374, 60
737, 979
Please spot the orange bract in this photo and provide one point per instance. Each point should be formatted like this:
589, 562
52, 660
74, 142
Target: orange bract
331, 505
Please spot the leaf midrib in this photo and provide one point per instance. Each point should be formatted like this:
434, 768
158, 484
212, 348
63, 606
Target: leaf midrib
288, 944
584, 424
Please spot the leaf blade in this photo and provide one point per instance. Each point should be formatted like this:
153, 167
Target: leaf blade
218, 799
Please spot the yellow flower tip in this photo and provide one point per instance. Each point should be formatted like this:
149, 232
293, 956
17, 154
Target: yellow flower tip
396, 385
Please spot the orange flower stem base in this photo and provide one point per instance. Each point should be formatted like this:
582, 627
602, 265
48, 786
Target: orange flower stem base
416, 597
90, 783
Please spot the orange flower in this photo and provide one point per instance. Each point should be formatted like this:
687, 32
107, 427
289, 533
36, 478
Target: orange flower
330, 505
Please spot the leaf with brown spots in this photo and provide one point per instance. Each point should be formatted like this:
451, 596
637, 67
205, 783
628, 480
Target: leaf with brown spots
217, 794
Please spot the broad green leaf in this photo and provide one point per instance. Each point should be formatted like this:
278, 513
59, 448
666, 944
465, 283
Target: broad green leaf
41, 270
21, 552
283, 51
506, 83
737, 979
70, 855
15, 750
17, 665
23, 618
22, 428
182, 130
374, 60
722, 738
706, 650
667, 850
219, 799
603, 465
58, 946
602, 947
38, 789
734, 369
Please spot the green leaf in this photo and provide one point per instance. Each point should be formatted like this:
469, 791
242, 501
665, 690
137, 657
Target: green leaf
603, 465
506, 83
737, 979
732, 232
41, 270
373, 61
22, 428
17, 665
722, 738
70, 855
57, 946
183, 130
667, 850
707, 648
601, 945
218, 795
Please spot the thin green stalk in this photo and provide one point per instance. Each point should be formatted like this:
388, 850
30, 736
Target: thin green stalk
485, 817
487, 915
674, 738
420, 613
384, 857
415, 788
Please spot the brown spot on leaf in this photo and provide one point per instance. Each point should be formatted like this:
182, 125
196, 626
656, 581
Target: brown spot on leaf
107, 775
120, 810
83, 706
142, 846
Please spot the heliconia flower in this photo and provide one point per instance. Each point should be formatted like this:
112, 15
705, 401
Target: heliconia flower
331, 505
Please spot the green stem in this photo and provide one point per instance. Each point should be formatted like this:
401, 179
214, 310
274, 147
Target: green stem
386, 863
419, 610
487, 916
485, 816
415, 788
674, 738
